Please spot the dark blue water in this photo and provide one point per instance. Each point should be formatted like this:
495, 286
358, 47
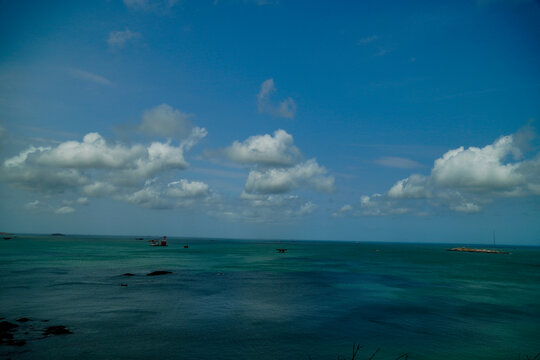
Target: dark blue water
244, 300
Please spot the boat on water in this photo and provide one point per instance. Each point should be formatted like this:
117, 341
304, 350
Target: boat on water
157, 242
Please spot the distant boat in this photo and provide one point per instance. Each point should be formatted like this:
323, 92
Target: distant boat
57, 234
163, 242
281, 250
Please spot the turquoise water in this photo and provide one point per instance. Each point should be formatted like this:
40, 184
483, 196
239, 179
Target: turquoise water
244, 300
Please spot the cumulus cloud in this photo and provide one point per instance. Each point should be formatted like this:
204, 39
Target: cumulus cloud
92, 152
479, 169
186, 189
88, 76
149, 197
465, 179
285, 108
96, 167
20, 171
175, 194
99, 189
265, 149
163, 120
277, 167
117, 39
415, 186
281, 180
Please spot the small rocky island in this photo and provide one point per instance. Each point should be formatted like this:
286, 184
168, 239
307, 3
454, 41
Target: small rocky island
488, 251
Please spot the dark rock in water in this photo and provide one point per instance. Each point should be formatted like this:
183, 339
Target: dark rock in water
7, 326
16, 342
57, 234
56, 330
6, 337
123, 284
128, 274
23, 319
159, 272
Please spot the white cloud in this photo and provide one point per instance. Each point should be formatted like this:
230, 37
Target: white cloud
149, 197
65, 210
136, 162
20, 172
92, 152
466, 208
99, 189
285, 108
281, 180
164, 120
117, 39
415, 186
265, 149
88, 76
94, 167
186, 189
174, 195
464, 180
479, 169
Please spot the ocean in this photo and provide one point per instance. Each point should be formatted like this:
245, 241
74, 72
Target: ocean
242, 299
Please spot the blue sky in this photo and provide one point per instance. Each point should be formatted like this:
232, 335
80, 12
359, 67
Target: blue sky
369, 121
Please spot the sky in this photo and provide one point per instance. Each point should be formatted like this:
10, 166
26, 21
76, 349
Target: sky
262, 119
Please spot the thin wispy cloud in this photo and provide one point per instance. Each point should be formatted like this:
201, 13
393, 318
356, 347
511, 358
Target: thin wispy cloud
88, 76
65, 210
367, 40
397, 162
256, 2
150, 5
118, 39
382, 52
285, 108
